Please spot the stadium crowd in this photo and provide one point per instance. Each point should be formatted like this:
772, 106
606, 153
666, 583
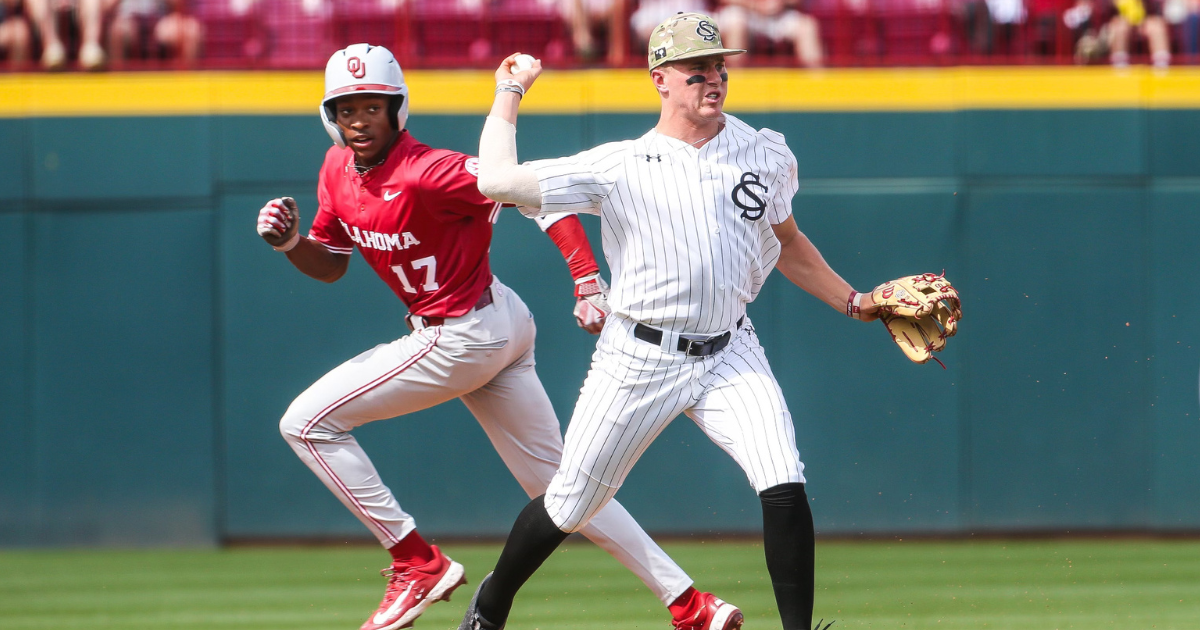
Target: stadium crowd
136, 34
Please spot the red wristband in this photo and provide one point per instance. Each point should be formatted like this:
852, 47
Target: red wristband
853, 309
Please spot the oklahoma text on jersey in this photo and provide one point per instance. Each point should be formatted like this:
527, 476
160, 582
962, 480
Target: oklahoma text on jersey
376, 240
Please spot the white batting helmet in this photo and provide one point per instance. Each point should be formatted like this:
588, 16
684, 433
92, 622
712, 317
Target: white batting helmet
363, 69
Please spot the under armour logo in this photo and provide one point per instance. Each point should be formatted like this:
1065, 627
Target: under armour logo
752, 205
657, 158
706, 30
356, 67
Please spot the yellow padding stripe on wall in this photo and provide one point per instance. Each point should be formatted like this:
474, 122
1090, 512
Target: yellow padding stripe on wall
583, 91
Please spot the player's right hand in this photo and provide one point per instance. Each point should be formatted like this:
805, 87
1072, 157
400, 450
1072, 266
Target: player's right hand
279, 223
591, 303
526, 78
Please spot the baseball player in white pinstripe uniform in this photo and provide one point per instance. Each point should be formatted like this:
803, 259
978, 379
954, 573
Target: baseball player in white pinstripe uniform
694, 215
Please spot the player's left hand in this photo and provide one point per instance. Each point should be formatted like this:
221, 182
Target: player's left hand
591, 303
920, 312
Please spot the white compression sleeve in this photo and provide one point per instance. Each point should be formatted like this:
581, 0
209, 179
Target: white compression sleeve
500, 177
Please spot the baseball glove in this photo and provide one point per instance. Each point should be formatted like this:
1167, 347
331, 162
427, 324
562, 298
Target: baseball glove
920, 313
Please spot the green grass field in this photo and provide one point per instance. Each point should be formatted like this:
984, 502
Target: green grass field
1026, 585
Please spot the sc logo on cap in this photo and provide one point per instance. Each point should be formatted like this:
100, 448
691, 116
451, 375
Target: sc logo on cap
706, 30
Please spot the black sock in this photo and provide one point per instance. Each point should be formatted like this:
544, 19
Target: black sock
533, 538
789, 543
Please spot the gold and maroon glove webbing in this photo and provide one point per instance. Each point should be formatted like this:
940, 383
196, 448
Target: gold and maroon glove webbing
920, 313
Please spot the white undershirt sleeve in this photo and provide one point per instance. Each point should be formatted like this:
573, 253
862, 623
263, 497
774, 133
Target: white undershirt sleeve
546, 221
500, 177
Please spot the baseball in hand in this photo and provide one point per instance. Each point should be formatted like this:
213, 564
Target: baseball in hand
523, 62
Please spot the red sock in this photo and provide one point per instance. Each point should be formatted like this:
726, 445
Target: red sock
682, 607
412, 551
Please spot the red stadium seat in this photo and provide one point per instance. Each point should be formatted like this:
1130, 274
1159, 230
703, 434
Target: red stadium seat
230, 39
529, 26
850, 39
910, 35
369, 21
444, 33
299, 34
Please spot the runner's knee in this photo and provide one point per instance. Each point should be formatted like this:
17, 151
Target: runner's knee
291, 425
297, 425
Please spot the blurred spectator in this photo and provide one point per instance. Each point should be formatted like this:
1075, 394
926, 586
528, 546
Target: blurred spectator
1084, 20
993, 26
296, 33
154, 29
314, 7
651, 13
15, 39
1185, 15
585, 17
1138, 17
776, 20
90, 16
1044, 18
1191, 28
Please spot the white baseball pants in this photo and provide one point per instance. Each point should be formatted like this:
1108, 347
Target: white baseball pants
633, 391
486, 359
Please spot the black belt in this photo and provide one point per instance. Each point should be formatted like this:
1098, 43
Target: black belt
691, 345
426, 322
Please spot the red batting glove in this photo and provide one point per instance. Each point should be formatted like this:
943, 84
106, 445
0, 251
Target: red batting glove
591, 303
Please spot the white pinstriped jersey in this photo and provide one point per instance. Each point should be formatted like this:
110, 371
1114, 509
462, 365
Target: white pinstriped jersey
686, 231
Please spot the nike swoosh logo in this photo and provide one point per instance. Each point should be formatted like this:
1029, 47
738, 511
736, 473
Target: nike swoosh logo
391, 196
383, 616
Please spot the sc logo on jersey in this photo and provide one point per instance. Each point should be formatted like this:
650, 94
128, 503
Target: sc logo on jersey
747, 198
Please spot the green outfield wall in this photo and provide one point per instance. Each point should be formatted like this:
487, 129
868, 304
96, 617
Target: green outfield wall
149, 341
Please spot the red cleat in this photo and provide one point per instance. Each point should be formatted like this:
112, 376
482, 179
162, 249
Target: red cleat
410, 590
712, 614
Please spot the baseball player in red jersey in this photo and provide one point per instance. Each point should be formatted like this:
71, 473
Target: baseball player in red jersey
416, 216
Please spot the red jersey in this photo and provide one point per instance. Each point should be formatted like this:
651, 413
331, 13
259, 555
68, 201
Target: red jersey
418, 219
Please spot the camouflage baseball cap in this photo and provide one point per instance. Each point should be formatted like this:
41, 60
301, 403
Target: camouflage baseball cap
686, 36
